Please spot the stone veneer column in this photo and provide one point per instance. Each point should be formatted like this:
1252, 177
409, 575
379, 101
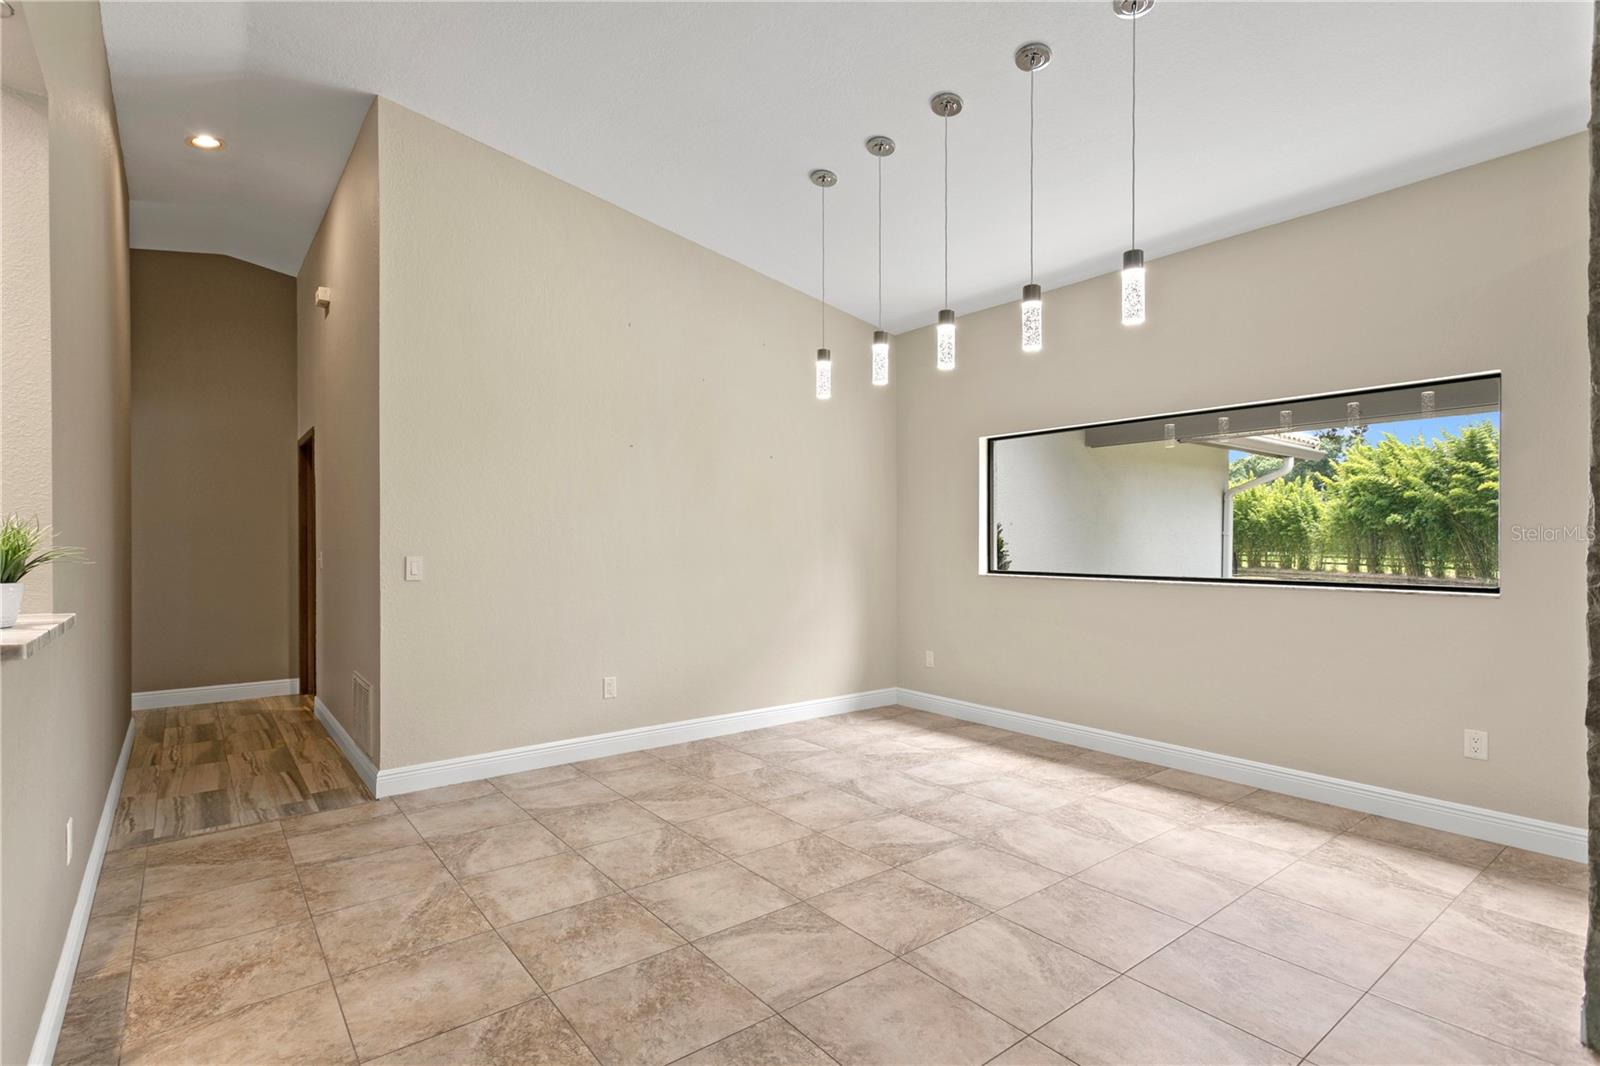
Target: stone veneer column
1591, 955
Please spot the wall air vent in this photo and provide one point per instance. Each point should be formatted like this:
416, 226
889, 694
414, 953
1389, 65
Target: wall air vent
361, 725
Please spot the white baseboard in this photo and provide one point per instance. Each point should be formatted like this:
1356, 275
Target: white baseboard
188, 697
55, 1004
515, 760
1549, 838
352, 751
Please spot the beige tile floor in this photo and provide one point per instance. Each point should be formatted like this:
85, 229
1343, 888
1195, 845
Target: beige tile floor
886, 887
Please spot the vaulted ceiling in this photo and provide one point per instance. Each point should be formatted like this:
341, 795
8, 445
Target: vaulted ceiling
706, 119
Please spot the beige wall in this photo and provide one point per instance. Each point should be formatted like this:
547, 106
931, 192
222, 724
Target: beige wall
338, 398
65, 712
1480, 269
602, 439
25, 301
214, 564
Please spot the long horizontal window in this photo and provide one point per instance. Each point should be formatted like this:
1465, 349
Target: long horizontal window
1384, 488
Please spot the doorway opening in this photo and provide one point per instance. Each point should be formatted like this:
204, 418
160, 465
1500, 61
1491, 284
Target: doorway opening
307, 500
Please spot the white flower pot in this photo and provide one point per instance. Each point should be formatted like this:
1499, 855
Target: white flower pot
10, 604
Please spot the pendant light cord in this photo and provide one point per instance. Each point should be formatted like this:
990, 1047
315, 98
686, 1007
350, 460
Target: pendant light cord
947, 208
823, 302
880, 242
1030, 176
1133, 141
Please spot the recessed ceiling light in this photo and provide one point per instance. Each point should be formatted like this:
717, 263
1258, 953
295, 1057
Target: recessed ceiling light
205, 142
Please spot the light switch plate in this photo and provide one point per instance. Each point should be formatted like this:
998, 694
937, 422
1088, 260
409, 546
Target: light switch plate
414, 568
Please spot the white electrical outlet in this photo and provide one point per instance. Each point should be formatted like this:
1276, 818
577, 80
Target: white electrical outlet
927, 659
69, 841
608, 688
1475, 744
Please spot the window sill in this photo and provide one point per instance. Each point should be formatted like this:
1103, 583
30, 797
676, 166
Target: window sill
32, 632
1207, 582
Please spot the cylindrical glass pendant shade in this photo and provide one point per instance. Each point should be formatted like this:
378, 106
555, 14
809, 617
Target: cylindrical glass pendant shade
946, 358
1032, 319
880, 357
1132, 287
824, 374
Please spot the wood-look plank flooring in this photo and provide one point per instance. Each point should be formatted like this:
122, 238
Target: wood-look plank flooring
225, 765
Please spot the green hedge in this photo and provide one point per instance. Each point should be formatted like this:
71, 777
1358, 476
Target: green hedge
1425, 509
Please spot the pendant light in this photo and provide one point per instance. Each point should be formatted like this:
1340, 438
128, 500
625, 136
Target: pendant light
1133, 293
824, 180
946, 105
880, 147
1031, 58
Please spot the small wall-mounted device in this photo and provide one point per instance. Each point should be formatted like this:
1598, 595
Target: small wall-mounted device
324, 297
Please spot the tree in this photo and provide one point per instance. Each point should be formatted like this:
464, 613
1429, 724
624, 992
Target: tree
1002, 557
1473, 489
1282, 518
1361, 500
1420, 508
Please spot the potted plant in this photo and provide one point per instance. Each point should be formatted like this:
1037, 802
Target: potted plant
21, 550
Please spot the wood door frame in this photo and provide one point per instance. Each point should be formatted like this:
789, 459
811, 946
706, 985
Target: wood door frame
306, 507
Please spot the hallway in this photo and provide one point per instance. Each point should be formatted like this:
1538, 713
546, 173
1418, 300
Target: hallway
224, 765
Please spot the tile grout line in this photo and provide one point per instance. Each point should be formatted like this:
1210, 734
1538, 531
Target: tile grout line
1409, 945
775, 1014
1417, 940
133, 951
798, 901
333, 986
894, 956
1188, 824
687, 941
179, 1028
309, 918
424, 840
1337, 834
1193, 927
1214, 1017
961, 837
1262, 887
543, 992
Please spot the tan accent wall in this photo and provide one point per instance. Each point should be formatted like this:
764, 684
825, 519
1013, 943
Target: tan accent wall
338, 399
65, 711
1480, 269
603, 440
214, 562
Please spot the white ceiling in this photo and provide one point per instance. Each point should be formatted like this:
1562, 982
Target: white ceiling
706, 119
